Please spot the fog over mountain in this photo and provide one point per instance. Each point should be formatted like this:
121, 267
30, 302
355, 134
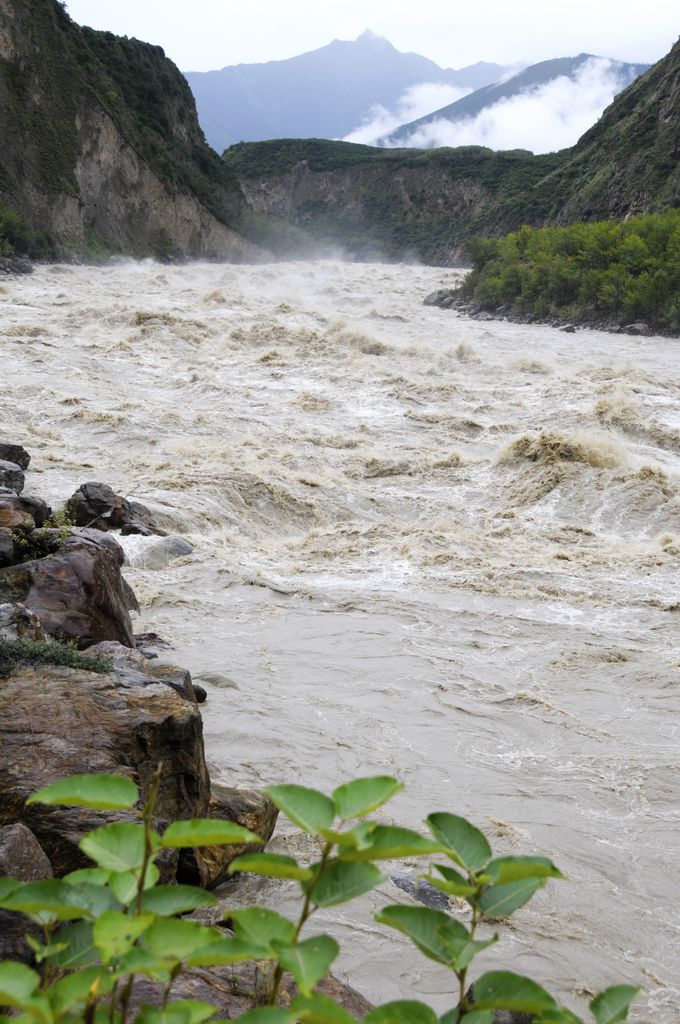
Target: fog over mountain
325, 93
543, 108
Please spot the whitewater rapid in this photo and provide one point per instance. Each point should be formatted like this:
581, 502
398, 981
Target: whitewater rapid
423, 545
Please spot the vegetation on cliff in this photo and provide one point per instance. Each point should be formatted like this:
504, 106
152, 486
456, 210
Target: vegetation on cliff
585, 272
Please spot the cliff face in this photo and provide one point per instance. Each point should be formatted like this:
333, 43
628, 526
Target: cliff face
429, 203
101, 143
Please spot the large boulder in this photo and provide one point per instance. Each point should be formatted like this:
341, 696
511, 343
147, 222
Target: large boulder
207, 865
57, 721
18, 623
15, 453
37, 510
98, 506
78, 592
11, 476
22, 858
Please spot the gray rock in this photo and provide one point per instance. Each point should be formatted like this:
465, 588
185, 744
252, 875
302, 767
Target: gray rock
97, 505
38, 510
438, 297
22, 858
7, 547
568, 329
11, 476
641, 329
17, 623
15, 453
132, 665
159, 555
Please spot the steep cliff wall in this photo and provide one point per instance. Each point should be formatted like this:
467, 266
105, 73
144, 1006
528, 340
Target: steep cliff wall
101, 141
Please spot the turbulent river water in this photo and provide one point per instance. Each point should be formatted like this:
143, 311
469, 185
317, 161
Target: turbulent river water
426, 546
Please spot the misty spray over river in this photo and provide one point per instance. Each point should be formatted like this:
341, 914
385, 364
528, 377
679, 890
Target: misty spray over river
424, 546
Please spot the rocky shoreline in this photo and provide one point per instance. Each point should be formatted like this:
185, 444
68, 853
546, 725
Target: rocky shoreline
452, 298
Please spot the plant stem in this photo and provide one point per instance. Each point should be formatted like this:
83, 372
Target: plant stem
305, 913
462, 974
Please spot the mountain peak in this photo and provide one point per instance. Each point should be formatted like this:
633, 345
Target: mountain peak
370, 37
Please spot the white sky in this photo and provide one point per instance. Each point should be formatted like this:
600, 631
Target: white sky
200, 35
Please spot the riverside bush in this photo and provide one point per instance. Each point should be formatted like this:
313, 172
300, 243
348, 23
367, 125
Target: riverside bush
606, 270
106, 925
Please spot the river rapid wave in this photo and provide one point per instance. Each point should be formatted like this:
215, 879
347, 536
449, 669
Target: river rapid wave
426, 546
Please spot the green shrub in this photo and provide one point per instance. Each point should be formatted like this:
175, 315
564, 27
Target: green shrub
105, 925
23, 651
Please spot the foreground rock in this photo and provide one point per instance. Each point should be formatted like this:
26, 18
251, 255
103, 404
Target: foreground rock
11, 476
22, 858
15, 453
77, 592
57, 721
207, 866
24, 508
97, 505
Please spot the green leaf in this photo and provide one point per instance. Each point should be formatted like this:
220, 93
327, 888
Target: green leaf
387, 842
463, 842
80, 948
53, 897
7, 887
174, 938
361, 796
516, 869
97, 898
503, 990
75, 989
18, 984
180, 1011
611, 1006
228, 951
472, 1017
117, 847
308, 808
206, 832
358, 838
140, 961
167, 900
319, 1009
267, 1015
558, 1016
503, 900
453, 883
272, 865
115, 933
403, 1011
341, 881
436, 934
124, 883
104, 792
308, 961
261, 927
91, 876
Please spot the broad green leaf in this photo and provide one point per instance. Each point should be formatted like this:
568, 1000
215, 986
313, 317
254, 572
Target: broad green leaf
268, 1015
18, 984
124, 884
319, 1009
141, 961
92, 876
341, 881
515, 869
503, 990
557, 1016
463, 842
228, 951
403, 1011
115, 933
80, 948
180, 1011
308, 808
358, 837
206, 832
387, 842
308, 961
473, 1017
436, 934
52, 897
260, 927
452, 883
97, 898
175, 938
167, 900
272, 865
503, 900
361, 796
117, 847
75, 989
104, 792
611, 1006
7, 887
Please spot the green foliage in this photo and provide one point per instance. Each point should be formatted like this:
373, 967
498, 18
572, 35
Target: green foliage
23, 651
18, 237
104, 926
606, 271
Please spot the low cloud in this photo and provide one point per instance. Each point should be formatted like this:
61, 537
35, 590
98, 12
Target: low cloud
543, 119
379, 122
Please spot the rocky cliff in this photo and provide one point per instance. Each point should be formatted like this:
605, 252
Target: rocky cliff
401, 203
101, 144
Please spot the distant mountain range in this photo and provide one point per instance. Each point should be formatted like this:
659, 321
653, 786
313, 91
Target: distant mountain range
529, 79
320, 94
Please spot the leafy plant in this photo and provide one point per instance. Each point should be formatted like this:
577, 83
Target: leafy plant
104, 926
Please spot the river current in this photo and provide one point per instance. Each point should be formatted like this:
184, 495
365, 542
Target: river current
424, 545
